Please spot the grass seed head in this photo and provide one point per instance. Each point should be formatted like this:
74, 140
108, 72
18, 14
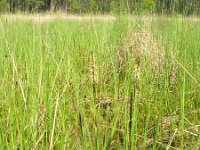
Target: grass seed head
93, 71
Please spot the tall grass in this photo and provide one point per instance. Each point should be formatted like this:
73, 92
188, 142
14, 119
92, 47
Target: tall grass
80, 84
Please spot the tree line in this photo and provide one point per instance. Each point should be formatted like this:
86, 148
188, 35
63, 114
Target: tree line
103, 6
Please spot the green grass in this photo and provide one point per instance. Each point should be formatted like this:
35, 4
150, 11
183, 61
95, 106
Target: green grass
62, 87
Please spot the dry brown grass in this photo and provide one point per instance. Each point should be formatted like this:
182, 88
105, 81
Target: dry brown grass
45, 17
145, 48
41, 18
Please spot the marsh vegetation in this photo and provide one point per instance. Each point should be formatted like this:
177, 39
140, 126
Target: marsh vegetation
99, 82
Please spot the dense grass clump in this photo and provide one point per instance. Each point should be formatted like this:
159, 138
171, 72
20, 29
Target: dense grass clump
125, 83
